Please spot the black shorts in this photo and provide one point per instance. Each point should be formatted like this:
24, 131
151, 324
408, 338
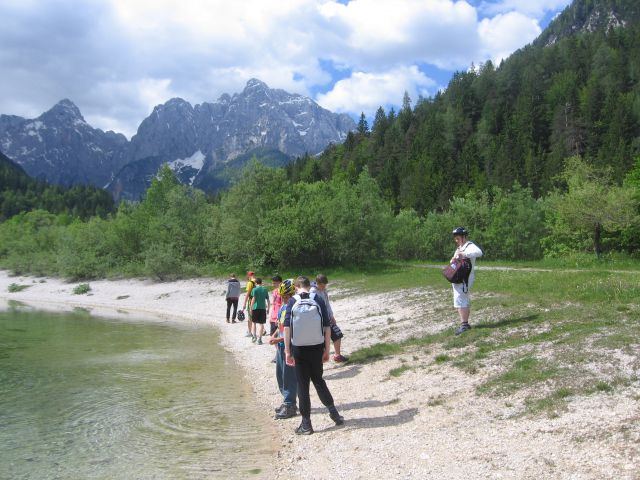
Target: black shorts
336, 333
259, 315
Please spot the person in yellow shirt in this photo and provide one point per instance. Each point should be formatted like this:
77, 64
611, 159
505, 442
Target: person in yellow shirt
251, 282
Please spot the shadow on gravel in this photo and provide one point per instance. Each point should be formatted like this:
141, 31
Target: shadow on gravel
403, 416
357, 405
348, 372
509, 322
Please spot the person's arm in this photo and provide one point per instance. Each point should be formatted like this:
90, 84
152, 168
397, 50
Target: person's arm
326, 328
472, 251
289, 360
327, 344
288, 357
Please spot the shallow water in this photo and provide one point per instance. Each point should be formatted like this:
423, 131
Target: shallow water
86, 397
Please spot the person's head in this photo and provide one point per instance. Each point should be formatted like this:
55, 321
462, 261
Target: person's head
460, 235
233, 275
258, 281
287, 289
277, 280
250, 274
321, 281
303, 283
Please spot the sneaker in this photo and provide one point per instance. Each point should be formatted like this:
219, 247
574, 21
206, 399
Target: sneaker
304, 428
233, 321
259, 341
227, 320
336, 417
277, 409
340, 358
287, 411
247, 335
463, 328
253, 338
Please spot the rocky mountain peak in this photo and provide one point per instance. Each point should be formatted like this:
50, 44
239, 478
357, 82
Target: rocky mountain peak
65, 112
587, 16
254, 83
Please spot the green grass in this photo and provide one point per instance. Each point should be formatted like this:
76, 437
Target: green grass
81, 289
374, 352
396, 372
14, 287
525, 371
555, 321
442, 358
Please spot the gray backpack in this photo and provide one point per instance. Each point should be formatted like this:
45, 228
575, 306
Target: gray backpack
306, 322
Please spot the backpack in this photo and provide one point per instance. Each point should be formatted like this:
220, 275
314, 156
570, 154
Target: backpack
306, 322
458, 270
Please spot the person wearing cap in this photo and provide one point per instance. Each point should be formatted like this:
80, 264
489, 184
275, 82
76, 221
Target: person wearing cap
461, 300
251, 282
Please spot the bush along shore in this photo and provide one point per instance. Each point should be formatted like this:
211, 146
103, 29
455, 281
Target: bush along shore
266, 221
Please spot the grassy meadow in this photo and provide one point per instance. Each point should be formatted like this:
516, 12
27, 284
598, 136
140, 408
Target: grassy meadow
546, 332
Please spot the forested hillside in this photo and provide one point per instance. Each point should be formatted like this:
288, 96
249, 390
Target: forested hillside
576, 92
539, 158
21, 193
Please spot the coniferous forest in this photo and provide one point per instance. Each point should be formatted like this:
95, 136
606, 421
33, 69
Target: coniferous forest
538, 157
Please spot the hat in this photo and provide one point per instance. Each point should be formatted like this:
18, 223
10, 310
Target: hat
249, 274
460, 231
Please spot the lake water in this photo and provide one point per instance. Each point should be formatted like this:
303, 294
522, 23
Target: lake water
86, 397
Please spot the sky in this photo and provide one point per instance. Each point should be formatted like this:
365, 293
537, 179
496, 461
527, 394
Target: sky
117, 59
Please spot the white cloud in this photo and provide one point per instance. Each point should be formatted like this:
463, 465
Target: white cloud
503, 34
118, 58
365, 92
533, 8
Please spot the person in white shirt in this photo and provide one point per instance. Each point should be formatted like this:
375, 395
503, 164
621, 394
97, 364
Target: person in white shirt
461, 300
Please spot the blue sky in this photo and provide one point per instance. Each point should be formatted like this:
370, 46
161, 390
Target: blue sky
117, 59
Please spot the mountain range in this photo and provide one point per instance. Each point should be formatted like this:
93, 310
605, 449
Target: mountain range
202, 143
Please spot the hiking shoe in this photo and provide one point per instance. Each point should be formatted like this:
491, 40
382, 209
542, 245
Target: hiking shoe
340, 358
463, 328
337, 418
259, 341
227, 320
287, 411
304, 428
233, 321
277, 409
253, 338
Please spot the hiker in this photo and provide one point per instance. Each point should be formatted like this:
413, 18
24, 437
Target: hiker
258, 307
285, 374
250, 284
461, 300
307, 340
276, 303
320, 288
232, 296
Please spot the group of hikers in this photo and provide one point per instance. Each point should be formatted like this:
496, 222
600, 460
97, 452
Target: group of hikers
303, 326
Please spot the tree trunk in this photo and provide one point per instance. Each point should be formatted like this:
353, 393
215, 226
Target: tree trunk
597, 247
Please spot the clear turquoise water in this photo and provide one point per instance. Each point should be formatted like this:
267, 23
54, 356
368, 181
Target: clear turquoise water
87, 398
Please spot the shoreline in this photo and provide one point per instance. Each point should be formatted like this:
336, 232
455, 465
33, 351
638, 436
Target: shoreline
184, 302
428, 422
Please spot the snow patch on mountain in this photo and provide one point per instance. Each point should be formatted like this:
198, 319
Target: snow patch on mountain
194, 162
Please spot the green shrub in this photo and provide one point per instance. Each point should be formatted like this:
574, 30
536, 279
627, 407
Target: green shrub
14, 287
81, 289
